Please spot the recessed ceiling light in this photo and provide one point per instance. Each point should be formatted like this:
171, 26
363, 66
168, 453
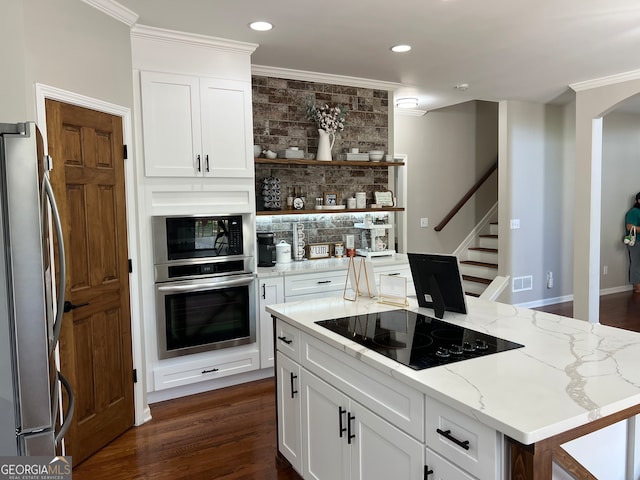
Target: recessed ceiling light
407, 102
462, 87
260, 26
401, 48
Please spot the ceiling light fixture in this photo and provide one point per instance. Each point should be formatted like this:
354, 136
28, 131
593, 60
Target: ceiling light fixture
400, 48
462, 87
260, 26
407, 102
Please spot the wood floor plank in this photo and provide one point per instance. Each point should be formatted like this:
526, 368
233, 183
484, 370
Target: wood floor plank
226, 434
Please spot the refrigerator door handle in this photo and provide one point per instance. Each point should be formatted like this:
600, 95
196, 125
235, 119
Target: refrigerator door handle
47, 191
66, 423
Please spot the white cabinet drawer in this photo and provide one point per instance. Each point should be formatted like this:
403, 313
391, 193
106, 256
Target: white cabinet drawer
288, 340
394, 401
462, 440
314, 283
220, 365
437, 468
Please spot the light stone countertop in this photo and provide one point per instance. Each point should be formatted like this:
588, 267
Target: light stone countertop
569, 373
325, 265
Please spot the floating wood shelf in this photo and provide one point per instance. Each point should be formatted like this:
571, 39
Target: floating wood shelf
328, 163
331, 212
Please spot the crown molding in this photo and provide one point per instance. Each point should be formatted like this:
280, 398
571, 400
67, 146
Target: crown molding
115, 10
323, 78
604, 81
192, 39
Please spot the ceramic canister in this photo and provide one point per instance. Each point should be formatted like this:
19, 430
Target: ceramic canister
283, 252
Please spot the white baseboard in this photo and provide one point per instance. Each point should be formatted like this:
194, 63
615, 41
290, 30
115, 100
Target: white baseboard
569, 298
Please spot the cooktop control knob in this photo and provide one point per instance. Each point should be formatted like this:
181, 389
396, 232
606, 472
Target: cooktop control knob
468, 347
455, 349
442, 352
481, 344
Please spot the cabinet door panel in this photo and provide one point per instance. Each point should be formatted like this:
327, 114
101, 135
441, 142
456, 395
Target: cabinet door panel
326, 455
381, 451
226, 128
289, 424
170, 124
270, 293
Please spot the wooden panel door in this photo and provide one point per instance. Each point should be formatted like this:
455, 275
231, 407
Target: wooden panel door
95, 343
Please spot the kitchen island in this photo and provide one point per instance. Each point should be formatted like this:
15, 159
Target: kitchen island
570, 378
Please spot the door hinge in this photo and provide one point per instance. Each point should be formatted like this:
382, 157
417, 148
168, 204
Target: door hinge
124, 152
135, 375
130, 265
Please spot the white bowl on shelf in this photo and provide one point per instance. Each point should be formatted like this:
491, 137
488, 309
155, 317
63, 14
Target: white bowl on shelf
376, 155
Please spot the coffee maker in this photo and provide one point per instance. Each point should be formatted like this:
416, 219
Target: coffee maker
266, 249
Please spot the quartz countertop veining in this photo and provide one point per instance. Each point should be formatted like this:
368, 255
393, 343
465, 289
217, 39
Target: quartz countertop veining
569, 373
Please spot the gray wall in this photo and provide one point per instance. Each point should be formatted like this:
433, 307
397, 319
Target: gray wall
534, 177
620, 183
65, 44
448, 151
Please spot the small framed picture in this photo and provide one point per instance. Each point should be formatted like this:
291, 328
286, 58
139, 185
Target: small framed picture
384, 199
331, 199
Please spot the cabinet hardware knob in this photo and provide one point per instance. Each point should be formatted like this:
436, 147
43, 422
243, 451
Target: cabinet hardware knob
209, 371
284, 339
349, 434
341, 411
447, 434
293, 390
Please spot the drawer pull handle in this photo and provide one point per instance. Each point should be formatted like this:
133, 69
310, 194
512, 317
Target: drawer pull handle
427, 472
447, 434
284, 339
349, 435
293, 390
324, 281
341, 412
209, 371
199, 163
393, 274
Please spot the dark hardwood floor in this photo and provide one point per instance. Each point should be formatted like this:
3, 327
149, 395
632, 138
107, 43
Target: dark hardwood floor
224, 434
620, 310
231, 433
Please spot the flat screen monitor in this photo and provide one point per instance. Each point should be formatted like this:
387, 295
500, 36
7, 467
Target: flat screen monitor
438, 283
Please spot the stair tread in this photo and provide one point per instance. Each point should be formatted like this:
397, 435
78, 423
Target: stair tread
488, 235
471, 278
471, 294
479, 264
484, 249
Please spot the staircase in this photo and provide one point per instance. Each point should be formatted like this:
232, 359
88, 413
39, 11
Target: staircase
480, 266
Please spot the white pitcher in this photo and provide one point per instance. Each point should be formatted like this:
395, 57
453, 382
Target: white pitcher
325, 144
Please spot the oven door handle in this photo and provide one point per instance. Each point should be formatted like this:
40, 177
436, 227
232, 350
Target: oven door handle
197, 286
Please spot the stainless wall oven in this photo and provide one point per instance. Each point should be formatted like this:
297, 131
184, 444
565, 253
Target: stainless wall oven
205, 284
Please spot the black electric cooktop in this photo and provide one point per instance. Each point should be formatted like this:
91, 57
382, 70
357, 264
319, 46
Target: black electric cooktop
416, 340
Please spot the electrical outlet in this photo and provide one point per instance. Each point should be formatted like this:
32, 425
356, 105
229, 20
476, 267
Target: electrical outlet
605, 270
424, 222
515, 223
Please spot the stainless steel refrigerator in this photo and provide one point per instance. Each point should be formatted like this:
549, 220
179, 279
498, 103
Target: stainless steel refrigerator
30, 318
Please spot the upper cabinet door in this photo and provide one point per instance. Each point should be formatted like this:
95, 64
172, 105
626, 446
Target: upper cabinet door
171, 125
227, 128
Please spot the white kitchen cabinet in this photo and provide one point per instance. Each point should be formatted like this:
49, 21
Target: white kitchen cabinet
341, 439
289, 415
270, 292
196, 126
438, 468
314, 285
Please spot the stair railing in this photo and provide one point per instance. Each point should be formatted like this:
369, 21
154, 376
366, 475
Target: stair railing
458, 206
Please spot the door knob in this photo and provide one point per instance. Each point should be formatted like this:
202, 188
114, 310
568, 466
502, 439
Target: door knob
68, 306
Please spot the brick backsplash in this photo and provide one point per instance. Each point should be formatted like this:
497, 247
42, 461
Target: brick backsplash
279, 115
279, 121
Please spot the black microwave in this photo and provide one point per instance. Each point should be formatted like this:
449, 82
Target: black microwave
196, 237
